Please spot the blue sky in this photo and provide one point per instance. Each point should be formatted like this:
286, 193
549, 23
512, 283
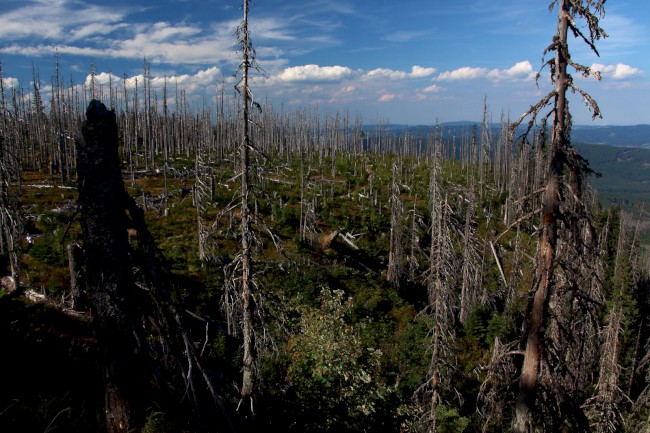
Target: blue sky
402, 61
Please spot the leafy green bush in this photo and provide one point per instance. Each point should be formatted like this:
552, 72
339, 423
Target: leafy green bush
335, 377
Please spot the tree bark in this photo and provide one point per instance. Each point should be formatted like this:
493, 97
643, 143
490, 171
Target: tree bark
75, 263
108, 267
546, 250
246, 253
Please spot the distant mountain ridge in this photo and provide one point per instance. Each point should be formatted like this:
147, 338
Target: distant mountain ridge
619, 136
610, 135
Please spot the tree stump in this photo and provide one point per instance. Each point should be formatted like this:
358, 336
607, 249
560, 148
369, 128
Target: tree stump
102, 200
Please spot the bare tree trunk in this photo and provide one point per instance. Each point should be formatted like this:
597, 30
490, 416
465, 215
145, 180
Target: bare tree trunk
468, 293
10, 224
246, 235
75, 260
566, 171
546, 249
604, 406
396, 250
104, 223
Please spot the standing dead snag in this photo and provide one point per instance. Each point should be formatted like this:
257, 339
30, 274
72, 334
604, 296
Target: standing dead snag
108, 270
565, 245
121, 300
246, 253
10, 225
396, 250
239, 301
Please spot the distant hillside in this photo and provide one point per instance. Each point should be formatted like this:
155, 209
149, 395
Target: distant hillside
625, 173
620, 136
629, 136
620, 153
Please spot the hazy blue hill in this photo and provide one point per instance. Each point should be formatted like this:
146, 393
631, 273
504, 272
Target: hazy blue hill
620, 153
631, 136
621, 136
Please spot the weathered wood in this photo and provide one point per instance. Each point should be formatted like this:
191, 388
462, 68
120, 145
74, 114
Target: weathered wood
75, 264
108, 267
329, 240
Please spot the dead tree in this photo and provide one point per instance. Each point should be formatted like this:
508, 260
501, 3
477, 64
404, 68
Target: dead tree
122, 301
565, 229
10, 221
396, 250
469, 296
239, 302
75, 260
108, 271
246, 253
442, 303
604, 409
202, 192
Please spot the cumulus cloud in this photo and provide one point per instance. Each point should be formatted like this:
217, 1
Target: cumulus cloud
617, 72
385, 73
103, 78
520, 71
416, 72
419, 71
200, 80
314, 73
9, 82
464, 73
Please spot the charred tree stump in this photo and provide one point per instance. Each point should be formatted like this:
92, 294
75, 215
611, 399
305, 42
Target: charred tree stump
108, 270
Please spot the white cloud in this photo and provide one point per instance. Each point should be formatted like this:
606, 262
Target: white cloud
385, 73
42, 50
345, 94
520, 71
88, 30
157, 44
56, 20
619, 71
419, 71
199, 81
464, 73
432, 89
103, 78
72, 28
387, 97
416, 72
271, 28
9, 82
162, 31
313, 73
